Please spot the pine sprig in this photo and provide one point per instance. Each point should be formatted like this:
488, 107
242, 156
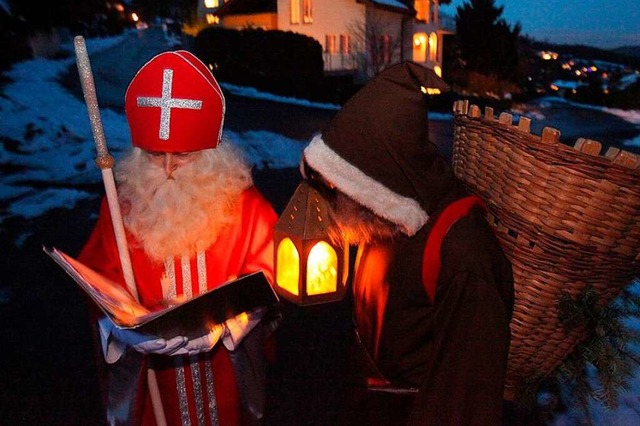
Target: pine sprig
601, 366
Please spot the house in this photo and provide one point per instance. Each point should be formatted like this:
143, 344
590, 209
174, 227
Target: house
356, 35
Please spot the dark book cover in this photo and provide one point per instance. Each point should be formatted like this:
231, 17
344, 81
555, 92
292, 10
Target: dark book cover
188, 318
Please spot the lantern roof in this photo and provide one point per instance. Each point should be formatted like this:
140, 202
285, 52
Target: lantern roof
307, 215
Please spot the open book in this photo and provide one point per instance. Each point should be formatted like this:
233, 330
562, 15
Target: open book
213, 307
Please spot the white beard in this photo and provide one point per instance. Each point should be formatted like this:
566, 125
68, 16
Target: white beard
356, 224
183, 215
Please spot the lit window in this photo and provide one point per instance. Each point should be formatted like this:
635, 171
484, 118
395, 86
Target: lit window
295, 11
385, 42
345, 44
210, 4
433, 46
420, 47
331, 44
422, 10
307, 10
212, 19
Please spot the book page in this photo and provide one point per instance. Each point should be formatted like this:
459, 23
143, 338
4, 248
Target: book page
191, 316
112, 298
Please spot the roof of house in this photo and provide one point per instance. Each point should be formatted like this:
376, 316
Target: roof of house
248, 7
396, 5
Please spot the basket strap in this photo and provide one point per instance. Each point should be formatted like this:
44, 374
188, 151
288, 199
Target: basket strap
431, 262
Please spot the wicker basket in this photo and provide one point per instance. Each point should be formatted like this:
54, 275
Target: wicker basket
566, 218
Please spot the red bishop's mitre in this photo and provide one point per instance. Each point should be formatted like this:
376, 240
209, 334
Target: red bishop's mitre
174, 104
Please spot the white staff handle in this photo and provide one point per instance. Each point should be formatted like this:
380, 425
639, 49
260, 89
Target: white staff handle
104, 161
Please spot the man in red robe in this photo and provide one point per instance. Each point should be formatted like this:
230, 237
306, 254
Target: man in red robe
193, 221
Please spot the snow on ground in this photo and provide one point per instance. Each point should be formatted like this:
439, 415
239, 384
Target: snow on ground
46, 140
631, 116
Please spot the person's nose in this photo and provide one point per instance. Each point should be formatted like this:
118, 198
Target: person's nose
170, 164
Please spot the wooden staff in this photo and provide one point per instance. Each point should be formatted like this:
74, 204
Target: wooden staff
105, 163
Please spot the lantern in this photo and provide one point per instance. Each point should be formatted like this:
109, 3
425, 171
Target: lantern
309, 269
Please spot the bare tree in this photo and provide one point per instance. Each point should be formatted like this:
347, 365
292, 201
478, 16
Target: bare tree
375, 44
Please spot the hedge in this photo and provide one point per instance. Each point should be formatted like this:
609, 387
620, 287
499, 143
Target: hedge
279, 62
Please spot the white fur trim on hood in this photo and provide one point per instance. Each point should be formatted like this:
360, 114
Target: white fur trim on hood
403, 211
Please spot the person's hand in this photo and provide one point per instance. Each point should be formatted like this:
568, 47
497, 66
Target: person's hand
157, 345
238, 327
115, 340
204, 343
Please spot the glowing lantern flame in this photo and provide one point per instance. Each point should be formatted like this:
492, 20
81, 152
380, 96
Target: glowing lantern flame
322, 269
288, 266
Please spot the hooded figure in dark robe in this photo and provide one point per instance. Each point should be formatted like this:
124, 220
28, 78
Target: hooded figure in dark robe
433, 357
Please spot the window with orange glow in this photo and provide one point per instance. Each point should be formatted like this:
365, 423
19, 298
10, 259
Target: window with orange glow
422, 10
295, 11
420, 47
345, 44
433, 47
385, 48
307, 11
322, 269
288, 266
331, 44
210, 4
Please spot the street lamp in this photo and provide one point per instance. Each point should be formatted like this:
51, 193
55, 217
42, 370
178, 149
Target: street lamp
309, 269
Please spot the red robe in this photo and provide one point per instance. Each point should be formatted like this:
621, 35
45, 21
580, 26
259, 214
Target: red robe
241, 248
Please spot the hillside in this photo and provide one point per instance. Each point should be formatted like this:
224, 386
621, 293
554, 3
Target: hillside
631, 51
629, 55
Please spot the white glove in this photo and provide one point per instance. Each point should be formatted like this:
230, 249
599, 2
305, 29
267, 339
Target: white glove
202, 344
238, 327
115, 340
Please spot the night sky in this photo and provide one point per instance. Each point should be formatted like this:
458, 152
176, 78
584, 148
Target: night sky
598, 23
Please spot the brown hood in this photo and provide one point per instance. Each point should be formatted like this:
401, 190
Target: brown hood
377, 149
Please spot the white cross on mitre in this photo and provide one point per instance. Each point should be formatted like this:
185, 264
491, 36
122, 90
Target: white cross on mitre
166, 102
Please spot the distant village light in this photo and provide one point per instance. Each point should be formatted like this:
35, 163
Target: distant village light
134, 17
210, 4
119, 7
